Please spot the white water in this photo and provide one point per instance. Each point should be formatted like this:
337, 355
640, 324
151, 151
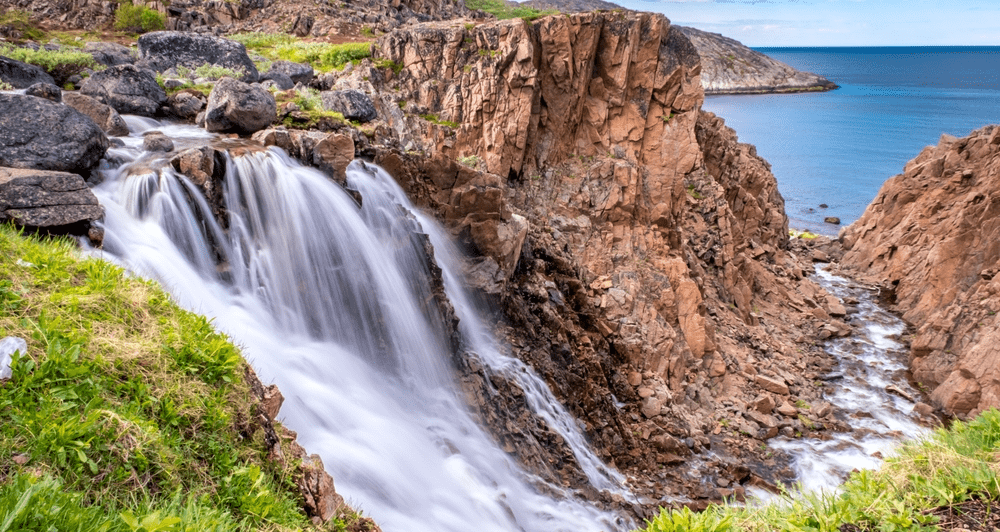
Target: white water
325, 301
870, 360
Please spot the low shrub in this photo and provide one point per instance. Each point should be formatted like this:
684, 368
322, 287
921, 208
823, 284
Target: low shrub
138, 18
60, 64
503, 10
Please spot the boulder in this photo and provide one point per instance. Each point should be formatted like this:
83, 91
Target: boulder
234, 106
109, 53
772, 384
298, 72
156, 141
42, 199
45, 90
22, 75
130, 90
353, 104
44, 135
163, 50
103, 115
280, 80
186, 103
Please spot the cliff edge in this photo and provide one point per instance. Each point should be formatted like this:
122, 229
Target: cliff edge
729, 67
931, 240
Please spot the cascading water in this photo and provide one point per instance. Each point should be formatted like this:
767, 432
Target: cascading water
329, 302
871, 361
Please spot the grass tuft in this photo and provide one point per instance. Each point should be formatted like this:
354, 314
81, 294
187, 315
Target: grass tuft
60, 64
505, 10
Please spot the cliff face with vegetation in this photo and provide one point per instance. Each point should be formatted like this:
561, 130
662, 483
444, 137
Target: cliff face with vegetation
929, 240
729, 67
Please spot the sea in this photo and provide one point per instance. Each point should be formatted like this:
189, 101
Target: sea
837, 148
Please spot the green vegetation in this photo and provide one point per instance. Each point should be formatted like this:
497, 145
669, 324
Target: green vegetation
4, 86
126, 413
311, 111
60, 64
322, 56
694, 193
435, 120
137, 18
390, 64
935, 476
795, 233
503, 10
215, 72
19, 21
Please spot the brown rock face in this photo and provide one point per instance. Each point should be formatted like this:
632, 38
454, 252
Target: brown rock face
930, 240
654, 281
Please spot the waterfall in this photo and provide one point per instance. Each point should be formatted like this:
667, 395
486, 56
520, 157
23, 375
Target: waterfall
330, 301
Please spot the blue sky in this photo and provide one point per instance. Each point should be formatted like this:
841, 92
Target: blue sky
837, 22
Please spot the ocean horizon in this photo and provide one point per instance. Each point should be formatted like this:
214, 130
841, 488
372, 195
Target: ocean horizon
836, 148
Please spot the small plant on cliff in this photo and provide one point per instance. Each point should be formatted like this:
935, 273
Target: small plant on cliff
60, 64
4, 86
472, 161
390, 64
434, 119
137, 18
18, 21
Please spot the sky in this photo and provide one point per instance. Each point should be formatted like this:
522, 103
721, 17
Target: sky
837, 22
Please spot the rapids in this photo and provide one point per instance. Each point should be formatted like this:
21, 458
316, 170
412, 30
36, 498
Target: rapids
328, 300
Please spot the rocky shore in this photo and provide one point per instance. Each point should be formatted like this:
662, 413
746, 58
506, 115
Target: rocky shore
729, 67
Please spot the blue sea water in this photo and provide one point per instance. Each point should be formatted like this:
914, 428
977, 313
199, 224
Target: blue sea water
838, 147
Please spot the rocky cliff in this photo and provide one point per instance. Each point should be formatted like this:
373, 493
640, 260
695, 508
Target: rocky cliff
729, 67
636, 253
929, 239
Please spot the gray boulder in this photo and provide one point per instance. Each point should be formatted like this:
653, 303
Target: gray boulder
279, 80
234, 106
299, 72
156, 141
45, 90
43, 199
109, 53
163, 50
103, 115
186, 103
44, 135
353, 104
128, 89
22, 75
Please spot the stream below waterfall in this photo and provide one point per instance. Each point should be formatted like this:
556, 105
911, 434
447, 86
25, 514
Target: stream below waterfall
328, 299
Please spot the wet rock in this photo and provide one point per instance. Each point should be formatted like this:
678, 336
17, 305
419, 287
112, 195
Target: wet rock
353, 104
822, 410
22, 75
129, 90
771, 384
163, 50
272, 401
923, 410
234, 106
45, 90
832, 220
103, 115
40, 134
156, 141
333, 154
57, 202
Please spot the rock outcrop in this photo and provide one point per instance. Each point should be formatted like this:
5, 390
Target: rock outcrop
931, 241
729, 67
43, 135
164, 50
234, 106
655, 290
103, 115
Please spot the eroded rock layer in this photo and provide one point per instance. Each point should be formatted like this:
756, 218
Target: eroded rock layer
930, 240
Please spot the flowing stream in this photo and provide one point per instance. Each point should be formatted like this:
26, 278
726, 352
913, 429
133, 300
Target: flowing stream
329, 300
871, 362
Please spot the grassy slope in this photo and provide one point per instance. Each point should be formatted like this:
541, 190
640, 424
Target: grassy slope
950, 472
127, 413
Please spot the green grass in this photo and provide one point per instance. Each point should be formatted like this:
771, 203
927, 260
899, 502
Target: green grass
503, 10
129, 413
20, 20
949, 467
434, 119
60, 64
137, 18
311, 107
323, 57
